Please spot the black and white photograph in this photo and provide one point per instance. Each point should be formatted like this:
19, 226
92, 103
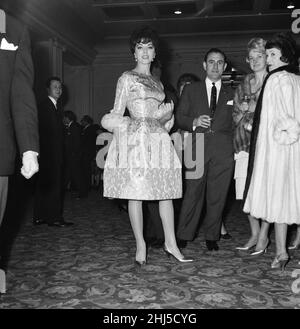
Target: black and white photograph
149, 158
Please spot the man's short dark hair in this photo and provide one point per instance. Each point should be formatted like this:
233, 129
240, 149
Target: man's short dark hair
87, 119
215, 50
49, 80
70, 115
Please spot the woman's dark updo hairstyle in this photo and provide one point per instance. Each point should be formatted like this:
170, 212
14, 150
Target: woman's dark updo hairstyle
144, 35
287, 45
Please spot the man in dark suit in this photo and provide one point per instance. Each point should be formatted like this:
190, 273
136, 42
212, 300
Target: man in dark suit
88, 154
72, 131
205, 110
18, 114
48, 205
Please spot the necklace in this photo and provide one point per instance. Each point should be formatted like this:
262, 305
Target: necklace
143, 74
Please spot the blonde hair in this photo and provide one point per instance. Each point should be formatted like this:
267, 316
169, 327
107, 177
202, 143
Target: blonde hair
257, 44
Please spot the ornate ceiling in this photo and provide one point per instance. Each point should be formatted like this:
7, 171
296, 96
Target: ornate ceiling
84, 25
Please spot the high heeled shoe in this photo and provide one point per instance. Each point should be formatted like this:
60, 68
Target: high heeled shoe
246, 248
140, 264
260, 251
181, 260
280, 263
294, 246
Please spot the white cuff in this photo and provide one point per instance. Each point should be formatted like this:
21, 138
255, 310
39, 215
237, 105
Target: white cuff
286, 131
30, 154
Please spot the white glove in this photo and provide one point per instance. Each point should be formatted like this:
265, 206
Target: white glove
30, 164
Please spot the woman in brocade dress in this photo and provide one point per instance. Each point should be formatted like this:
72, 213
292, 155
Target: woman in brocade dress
273, 181
142, 163
245, 100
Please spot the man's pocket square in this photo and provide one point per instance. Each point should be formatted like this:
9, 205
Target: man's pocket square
7, 46
229, 102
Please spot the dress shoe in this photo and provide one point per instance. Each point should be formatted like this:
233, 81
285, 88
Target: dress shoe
248, 248
212, 245
294, 246
251, 243
280, 261
181, 244
180, 260
140, 264
60, 223
38, 222
226, 236
260, 251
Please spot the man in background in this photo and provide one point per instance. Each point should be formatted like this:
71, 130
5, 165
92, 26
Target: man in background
48, 203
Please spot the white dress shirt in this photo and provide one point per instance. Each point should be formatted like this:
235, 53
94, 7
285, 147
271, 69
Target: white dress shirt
53, 100
209, 85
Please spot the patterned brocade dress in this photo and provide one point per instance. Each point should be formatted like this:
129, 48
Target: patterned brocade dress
141, 163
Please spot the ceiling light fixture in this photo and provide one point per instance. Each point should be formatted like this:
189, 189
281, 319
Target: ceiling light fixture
177, 12
290, 5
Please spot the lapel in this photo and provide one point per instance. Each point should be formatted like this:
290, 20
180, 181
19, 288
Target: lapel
55, 111
222, 98
51, 104
203, 95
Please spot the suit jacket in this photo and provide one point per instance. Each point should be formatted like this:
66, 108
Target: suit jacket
51, 139
88, 143
18, 113
193, 103
72, 141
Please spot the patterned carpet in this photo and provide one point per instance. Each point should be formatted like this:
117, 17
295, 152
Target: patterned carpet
90, 266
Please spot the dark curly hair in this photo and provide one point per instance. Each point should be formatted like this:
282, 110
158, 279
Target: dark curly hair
186, 78
287, 45
144, 35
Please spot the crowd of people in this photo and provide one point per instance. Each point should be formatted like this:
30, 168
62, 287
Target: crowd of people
251, 134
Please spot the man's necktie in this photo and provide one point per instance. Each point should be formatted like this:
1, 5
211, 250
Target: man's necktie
213, 100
